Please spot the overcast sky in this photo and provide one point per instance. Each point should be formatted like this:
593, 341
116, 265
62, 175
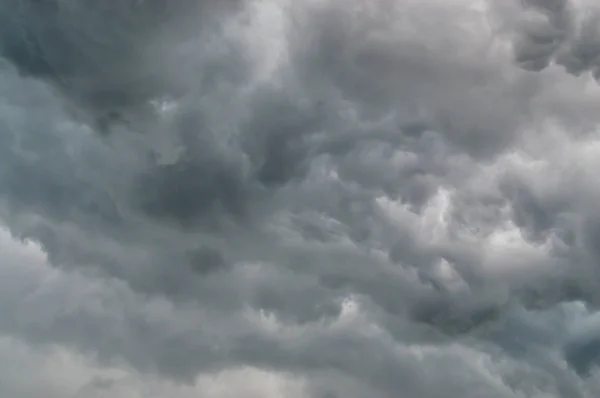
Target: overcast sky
300, 199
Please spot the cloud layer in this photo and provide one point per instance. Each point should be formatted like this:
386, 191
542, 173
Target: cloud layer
310, 199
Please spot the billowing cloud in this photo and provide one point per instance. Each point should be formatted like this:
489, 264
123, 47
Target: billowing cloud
299, 199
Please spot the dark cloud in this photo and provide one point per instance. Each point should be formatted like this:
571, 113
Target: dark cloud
333, 199
559, 32
107, 59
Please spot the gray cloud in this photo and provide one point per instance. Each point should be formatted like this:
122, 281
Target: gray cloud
338, 199
560, 32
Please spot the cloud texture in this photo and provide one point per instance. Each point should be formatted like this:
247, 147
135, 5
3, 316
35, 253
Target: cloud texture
311, 199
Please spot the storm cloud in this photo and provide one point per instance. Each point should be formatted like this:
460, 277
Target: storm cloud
309, 199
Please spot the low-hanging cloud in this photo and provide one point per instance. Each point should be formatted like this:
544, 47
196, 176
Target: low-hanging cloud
316, 198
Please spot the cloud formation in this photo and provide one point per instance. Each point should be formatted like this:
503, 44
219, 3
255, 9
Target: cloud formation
311, 199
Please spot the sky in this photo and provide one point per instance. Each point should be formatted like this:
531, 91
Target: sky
299, 199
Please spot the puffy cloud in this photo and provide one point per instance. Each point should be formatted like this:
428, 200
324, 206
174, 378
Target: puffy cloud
562, 32
301, 199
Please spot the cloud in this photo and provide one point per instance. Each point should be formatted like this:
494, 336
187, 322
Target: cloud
301, 199
558, 32
59, 372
